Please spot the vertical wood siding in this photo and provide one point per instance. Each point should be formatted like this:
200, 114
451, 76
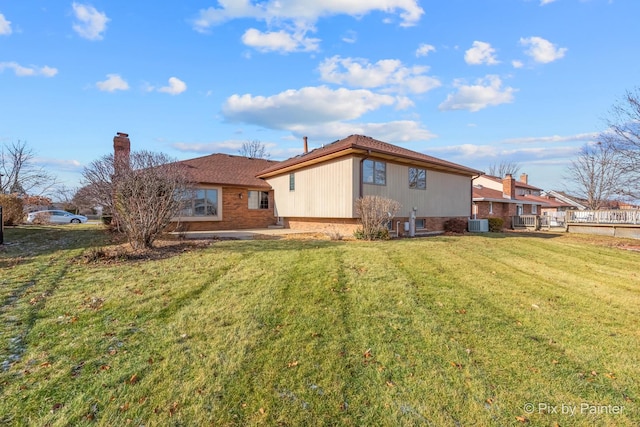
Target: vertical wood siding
447, 195
326, 190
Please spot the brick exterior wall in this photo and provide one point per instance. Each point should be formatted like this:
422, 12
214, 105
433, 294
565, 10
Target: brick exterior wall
347, 226
236, 214
432, 224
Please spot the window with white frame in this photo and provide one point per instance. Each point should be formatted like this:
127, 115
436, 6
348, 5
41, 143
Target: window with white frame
418, 178
421, 224
200, 202
490, 207
534, 209
258, 200
292, 181
374, 172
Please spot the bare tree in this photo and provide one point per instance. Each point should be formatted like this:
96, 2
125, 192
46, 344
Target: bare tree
20, 174
375, 214
254, 149
98, 188
596, 173
624, 136
143, 195
66, 195
503, 168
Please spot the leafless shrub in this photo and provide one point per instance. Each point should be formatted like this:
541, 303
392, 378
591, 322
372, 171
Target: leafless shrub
12, 209
375, 214
455, 225
143, 193
41, 218
334, 233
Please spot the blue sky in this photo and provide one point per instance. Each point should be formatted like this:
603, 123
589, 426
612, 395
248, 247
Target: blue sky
469, 81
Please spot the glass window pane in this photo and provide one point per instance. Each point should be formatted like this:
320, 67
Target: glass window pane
253, 199
199, 203
264, 200
211, 202
380, 173
367, 171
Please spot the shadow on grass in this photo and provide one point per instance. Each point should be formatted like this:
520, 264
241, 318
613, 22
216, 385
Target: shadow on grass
510, 234
25, 242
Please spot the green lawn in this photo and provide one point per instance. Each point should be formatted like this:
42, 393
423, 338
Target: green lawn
443, 331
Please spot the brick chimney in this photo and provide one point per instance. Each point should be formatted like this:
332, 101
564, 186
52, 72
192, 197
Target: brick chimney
524, 178
306, 146
509, 186
121, 148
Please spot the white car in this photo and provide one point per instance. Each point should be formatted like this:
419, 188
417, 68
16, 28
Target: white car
55, 217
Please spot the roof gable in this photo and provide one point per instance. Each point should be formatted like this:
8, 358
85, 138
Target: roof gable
360, 144
226, 169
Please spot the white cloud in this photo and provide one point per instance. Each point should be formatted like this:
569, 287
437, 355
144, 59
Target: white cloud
486, 92
544, 2
395, 131
229, 146
481, 53
388, 74
113, 83
176, 86
541, 50
350, 37
591, 136
306, 106
303, 12
65, 165
517, 64
22, 71
424, 49
91, 23
279, 41
5, 25
474, 153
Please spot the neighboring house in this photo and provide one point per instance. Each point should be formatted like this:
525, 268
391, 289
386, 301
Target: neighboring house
318, 189
495, 197
574, 202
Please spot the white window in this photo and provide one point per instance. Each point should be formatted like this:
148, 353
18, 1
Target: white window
490, 207
258, 200
534, 209
201, 203
420, 224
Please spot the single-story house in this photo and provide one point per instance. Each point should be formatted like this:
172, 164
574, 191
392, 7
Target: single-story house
318, 189
495, 197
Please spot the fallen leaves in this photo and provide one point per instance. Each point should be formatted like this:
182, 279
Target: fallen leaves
134, 379
292, 364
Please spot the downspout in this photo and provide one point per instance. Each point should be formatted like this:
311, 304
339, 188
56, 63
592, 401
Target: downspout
471, 206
